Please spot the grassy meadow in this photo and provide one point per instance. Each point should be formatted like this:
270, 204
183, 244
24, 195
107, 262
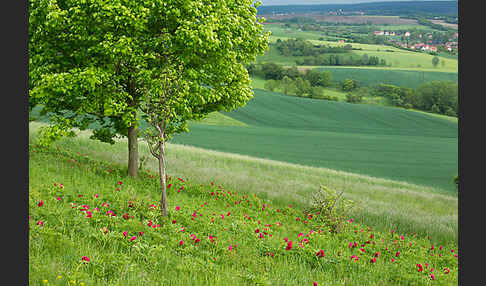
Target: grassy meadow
90, 224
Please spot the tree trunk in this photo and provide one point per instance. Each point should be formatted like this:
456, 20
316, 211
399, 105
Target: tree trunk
132, 151
163, 201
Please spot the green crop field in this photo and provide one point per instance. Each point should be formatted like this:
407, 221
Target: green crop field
372, 140
372, 76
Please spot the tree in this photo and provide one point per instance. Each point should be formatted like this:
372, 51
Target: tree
348, 84
272, 71
271, 84
94, 61
435, 61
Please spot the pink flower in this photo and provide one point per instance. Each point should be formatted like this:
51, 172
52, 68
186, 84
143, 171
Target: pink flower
133, 238
289, 245
88, 214
432, 276
58, 198
177, 208
320, 253
315, 283
230, 248
119, 182
61, 186
373, 260
97, 196
125, 233
40, 222
446, 270
420, 267
397, 253
174, 221
181, 243
85, 258
140, 233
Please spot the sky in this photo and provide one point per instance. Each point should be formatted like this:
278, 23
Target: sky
305, 2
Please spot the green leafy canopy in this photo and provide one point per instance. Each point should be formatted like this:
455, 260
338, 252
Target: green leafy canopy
99, 60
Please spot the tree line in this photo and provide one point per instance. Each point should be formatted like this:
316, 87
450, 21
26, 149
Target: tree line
440, 97
300, 47
340, 60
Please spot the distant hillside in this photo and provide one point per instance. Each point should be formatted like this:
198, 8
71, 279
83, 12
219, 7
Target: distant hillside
405, 8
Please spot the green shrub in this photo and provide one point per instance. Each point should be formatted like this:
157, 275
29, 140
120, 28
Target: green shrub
329, 209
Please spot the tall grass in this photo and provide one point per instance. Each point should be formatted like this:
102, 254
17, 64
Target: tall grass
383, 203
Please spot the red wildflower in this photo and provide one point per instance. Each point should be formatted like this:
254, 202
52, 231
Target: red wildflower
397, 253
181, 242
289, 245
320, 253
420, 267
41, 203
446, 270
177, 208
119, 182
126, 216
133, 238
373, 260
85, 258
125, 233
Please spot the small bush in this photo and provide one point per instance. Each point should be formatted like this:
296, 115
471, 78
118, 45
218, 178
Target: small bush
330, 209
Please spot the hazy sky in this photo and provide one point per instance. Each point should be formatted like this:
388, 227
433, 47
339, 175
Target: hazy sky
305, 2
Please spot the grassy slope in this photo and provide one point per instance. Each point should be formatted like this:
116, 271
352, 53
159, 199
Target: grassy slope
372, 140
383, 203
156, 258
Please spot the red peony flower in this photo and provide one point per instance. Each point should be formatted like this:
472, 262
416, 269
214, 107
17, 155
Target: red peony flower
289, 245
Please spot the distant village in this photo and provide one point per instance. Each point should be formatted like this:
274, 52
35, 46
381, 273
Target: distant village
425, 42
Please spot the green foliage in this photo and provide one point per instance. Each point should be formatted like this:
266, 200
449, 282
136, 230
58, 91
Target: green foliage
354, 98
106, 59
301, 47
435, 61
349, 85
330, 209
